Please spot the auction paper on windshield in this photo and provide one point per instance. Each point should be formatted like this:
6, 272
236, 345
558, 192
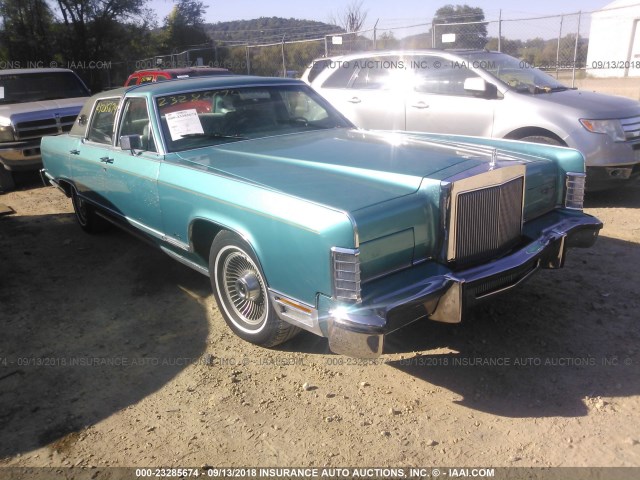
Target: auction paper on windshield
184, 122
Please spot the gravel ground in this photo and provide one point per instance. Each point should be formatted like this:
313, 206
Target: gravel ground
112, 354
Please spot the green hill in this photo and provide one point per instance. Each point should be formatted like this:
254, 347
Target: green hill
268, 30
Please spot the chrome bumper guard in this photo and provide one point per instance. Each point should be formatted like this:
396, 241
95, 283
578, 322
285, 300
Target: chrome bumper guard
359, 332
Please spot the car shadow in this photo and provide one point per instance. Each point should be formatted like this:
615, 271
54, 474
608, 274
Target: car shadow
552, 347
81, 339
627, 196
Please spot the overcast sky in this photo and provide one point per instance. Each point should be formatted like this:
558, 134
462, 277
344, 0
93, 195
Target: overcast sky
396, 12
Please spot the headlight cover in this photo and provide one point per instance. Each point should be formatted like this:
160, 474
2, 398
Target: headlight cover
6, 134
345, 266
613, 128
574, 198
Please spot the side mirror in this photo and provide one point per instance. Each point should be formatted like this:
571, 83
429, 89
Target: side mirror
480, 87
131, 142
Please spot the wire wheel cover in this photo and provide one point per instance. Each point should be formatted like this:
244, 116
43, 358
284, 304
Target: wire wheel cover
244, 288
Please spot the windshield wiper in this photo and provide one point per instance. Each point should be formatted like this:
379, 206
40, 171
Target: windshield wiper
548, 89
213, 135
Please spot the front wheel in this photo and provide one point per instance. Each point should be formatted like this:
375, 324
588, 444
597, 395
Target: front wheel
542, 139
6, 180
242, 294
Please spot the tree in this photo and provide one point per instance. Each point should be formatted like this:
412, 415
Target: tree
352, 18
27, 32
97, 31
90, 25
184, 26
470, 35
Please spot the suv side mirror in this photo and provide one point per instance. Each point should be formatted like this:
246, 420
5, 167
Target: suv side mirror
480, 87
131, 142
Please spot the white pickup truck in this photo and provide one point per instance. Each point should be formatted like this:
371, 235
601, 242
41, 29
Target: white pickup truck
34, 103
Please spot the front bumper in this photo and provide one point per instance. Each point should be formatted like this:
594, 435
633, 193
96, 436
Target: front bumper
19, 156
359, 331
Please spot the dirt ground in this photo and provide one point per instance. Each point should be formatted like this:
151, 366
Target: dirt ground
113, 354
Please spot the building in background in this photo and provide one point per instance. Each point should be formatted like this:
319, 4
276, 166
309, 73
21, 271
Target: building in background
614, 40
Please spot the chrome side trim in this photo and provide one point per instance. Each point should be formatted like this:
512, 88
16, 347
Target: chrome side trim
184, 261
296, 312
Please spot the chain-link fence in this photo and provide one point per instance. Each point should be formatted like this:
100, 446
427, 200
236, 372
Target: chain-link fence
565, 45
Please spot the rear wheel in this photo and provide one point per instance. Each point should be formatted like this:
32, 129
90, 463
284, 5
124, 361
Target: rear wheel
86, 215
242, 293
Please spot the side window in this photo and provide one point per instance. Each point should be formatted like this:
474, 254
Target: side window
377, 73
301, 107
342, 72
146, 79
442, 77
135, 121
101, 128
131, 81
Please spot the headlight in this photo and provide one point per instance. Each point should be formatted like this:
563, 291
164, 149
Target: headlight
613, 128
575, 190
6, 134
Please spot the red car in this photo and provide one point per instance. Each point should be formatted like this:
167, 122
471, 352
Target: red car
160, 75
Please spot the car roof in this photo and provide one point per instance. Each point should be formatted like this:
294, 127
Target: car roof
22, 71
196, 83
369, 53
181, 71
222, 81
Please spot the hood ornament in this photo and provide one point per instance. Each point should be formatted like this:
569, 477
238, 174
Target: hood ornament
494, 159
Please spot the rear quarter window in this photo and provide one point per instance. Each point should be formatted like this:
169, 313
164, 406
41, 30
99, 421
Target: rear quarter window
101, 126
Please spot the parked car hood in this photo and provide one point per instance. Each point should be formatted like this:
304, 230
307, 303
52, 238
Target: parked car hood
592, 104
345, 169
9, 111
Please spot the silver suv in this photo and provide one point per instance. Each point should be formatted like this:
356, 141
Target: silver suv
483, 93
33, 103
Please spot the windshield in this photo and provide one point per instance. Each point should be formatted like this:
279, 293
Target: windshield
212, 117
517, 74
33, 87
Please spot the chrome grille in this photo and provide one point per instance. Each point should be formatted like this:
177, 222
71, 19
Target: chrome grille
489, 220
631, 127
46, 126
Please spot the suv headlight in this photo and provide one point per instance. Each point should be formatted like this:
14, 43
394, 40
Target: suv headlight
613, 128
6, 134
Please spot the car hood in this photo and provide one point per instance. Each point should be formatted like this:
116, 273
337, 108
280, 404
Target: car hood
591, 104
42, 109
341, 168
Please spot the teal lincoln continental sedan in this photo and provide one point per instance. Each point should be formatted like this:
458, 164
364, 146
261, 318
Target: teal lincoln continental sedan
302, 221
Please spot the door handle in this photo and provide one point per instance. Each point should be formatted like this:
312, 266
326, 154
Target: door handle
74, 152
420, 105
106, 160
354, 100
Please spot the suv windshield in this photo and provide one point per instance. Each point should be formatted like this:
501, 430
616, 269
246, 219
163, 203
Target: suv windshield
33, 87
518, 74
